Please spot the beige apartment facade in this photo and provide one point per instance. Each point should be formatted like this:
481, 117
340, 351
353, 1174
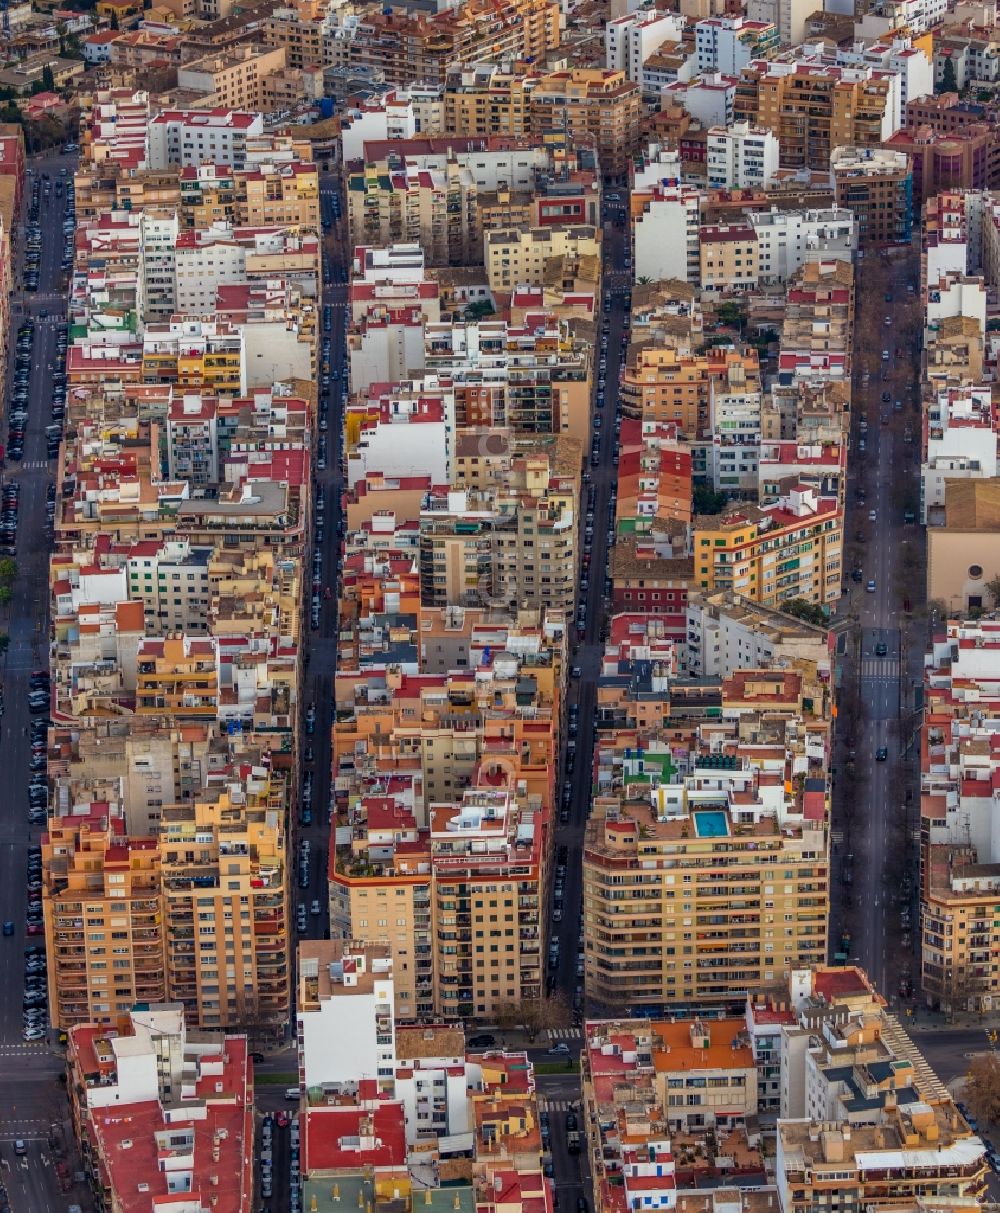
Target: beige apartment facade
226, 905
665, 923
104, 929
518, 257
235, 80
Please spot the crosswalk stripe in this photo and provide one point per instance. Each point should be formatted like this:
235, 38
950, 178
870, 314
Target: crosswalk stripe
884, 668
565, 1033
556, 1105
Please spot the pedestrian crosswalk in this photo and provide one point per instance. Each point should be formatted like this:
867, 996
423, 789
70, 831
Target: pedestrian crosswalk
557, 1105
883, 668
565, 1033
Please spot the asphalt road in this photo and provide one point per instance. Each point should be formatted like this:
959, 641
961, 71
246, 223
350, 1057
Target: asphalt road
33, 1099
948, 1051
566, 977
557, 1093
871, 804
322, 642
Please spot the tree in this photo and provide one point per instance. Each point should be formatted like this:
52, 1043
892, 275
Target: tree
949, 81
70, 47
8, 570
809, 612
992, 587
707, 501
48, 80
731, 313
982, 1087
535, 1014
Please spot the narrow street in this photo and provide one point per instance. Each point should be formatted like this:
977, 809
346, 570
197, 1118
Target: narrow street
881, 634
33, 1098
566, 976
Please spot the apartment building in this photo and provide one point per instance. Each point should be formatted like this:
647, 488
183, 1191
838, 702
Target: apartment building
523, 257
467, 914
790, 16
344, 1011
533, 375
821, 466
392, 299
277, 188
729, 44
960, 442
406, 47
178, 677
955, 350
224, 256
279, 194
943, 113
196, 354
814, 108
437, 207
191, 137
367, 1140
171, 580
769, 554
235, 81
789, 238
729, 258
150, 1091
724, 930
400, 429
876, 184
304, 30
741, 157
961, 544
642, 1081
223, 867
964, 159
670, 1105
512, 545
654, 475
817, 326
482, 99
630, 41
666, 217
959, 872
817, 1157
104, 929
726, 632
664, 387
593, 105
488, 724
